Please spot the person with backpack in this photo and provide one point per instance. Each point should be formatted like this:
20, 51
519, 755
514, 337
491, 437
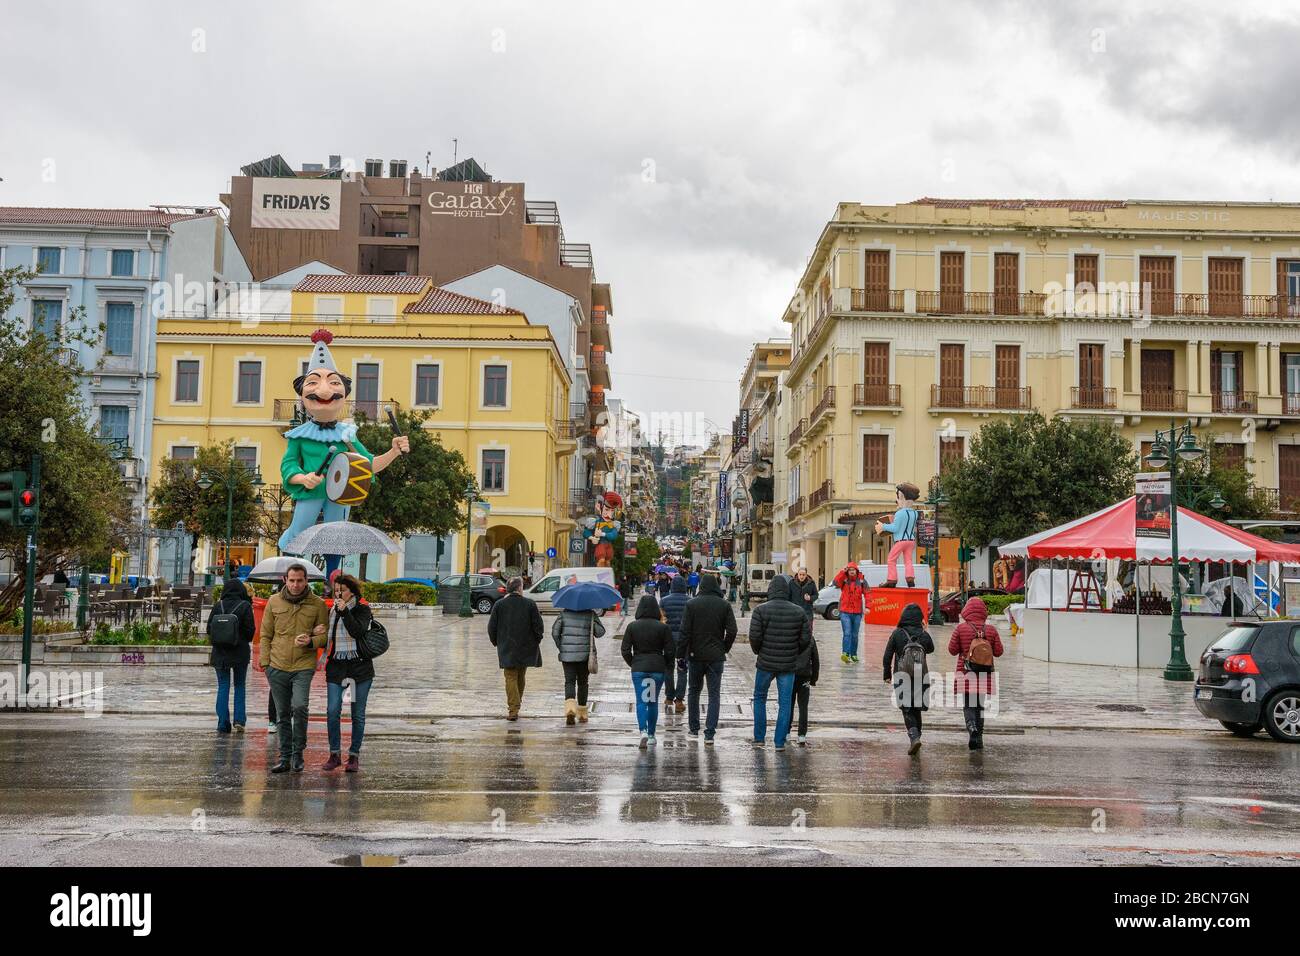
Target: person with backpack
345, 660
645, 643
975, 643
230, 632
778, 633
708, 632
574, 633
906, 669
807, 670
674, 607
853, 604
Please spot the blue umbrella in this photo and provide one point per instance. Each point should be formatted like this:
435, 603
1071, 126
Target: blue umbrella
586, 596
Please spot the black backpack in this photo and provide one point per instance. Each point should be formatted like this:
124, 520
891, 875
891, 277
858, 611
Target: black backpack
223, 628
911, 660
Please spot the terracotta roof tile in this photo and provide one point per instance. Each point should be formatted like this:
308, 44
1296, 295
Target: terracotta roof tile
132, 218
397, 285
440, 301
1075, 205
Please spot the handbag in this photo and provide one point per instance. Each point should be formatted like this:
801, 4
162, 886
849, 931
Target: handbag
373, 643
592, 664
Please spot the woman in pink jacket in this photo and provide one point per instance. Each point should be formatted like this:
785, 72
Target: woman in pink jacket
970, 686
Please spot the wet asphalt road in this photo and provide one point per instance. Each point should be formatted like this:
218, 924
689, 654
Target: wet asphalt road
139, 790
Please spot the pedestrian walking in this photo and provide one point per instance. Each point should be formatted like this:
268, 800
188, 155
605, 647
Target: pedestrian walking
975, 643
350, 618
230, 632
573, 633
906, 670
693, 582
647, 642
674, 606
805, 591
516, 630
808, 668
853, 603
664, 584
626, 590
778, 632
708, 631
293, 627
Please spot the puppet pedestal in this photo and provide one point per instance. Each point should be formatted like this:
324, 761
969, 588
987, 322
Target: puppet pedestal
885, 605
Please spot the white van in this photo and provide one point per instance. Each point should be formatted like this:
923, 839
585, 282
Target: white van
555, 579
760, 576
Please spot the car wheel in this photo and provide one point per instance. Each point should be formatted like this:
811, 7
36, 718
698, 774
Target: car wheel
833, 612
1282, 716
1242, 730
484, 606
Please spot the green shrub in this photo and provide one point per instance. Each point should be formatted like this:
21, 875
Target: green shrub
997, 603
148, 632
419, 594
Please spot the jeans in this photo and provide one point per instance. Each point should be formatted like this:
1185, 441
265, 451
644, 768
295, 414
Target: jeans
646, 685
700, 673
240, 672
850, 624
334, 714
291, 690
912, 721
802, 693
670, 679
784, 704
575, 677
679, 686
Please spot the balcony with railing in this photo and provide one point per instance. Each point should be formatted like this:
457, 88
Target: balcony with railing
876, 300
824, 405
600, 327
290, 410
797, 507
821, 496
980, 397
1232, 403
981, 303
1090, 396
877, 396
796, 434
598, 367
1291, 403
1279, 501
1164, 399
579, 502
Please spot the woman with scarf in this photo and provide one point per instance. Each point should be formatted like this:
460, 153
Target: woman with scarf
349, 619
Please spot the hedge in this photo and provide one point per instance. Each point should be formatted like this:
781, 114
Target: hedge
997, 603
419, 594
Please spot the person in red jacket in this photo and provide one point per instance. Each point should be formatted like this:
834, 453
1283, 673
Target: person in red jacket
970, 687
853, 603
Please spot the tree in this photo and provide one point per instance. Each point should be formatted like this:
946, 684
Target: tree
1026, 473
176, 496
276, 514
422, 492
84, 507
1218, 470
647, 551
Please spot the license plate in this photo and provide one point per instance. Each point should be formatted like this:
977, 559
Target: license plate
1204, 693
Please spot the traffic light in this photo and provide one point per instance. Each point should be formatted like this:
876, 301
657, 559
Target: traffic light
27, 507
965, 554
12, 484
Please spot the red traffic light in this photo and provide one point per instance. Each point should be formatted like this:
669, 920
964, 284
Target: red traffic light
27, 498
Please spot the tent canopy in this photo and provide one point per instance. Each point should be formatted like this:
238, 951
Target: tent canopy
1112, 533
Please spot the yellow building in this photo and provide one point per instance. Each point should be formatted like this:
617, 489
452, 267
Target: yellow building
496, 386
914, 324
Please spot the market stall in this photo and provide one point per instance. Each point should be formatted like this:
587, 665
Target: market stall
1132, 628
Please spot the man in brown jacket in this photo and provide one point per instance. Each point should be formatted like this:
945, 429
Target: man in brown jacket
293, 627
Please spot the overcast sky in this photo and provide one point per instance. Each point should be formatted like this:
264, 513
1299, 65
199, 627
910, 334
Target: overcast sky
698, 146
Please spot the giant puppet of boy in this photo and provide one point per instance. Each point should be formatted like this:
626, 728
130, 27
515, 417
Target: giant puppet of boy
903, 528
324, 435
604, 530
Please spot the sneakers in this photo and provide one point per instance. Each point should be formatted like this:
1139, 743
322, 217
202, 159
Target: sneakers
758, 743
780, 747
855, 659
272, 728
239, 728
693, 733
650, 741
916, 746
802, 741
645, 742
708, 741
844, 658
333, 763
354, 764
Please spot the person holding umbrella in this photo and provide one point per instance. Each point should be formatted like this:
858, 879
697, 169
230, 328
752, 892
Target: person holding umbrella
575, 632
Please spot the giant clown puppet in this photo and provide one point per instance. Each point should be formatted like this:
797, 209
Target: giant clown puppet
325, 467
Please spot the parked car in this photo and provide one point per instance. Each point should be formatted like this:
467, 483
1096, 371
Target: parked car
553, 580
951, 604
827, 603
485, 590
1249, 679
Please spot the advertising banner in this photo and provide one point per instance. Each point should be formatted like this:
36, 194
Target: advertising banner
1153, 511
283, 203
479, 516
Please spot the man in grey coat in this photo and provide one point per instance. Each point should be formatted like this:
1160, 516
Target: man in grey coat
573, 632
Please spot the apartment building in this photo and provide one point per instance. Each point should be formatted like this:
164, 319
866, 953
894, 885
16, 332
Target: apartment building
914, 324
753, 449
495, 383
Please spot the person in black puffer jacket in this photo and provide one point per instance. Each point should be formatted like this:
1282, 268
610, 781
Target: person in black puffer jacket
778, 632
908, 697
232, 662
708, 630
674, 607
647, 643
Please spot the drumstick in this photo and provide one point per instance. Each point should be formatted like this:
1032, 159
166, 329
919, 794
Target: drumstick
329, 456
392, 421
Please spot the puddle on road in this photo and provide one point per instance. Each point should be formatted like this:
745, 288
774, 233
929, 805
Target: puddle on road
369, 859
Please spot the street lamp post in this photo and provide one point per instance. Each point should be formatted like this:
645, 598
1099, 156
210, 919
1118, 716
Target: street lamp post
471, 492
1169, 447
937, 498
231, 479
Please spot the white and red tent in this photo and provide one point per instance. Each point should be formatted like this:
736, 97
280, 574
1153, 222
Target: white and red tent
1112, 533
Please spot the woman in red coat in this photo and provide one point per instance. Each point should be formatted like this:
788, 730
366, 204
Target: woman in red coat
853, 602
971, 687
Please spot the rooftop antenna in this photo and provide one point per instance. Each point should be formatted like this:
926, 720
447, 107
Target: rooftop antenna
427, 157
454, 147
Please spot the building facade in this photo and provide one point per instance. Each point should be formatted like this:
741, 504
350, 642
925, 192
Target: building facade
753, 449
495, 384
914, 324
